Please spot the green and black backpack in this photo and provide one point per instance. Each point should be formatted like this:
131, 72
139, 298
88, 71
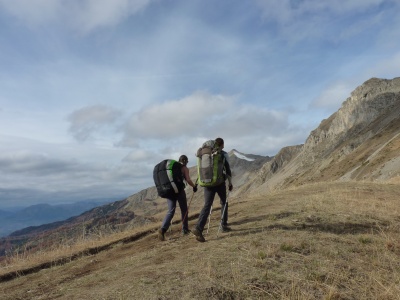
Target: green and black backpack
168, 178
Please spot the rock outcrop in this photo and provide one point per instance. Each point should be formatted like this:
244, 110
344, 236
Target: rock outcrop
358, 142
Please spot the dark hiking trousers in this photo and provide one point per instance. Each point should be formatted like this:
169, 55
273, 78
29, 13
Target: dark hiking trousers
181, 199
209, 195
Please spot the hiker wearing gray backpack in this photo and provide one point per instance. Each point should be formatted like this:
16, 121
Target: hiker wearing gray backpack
180, 197
213, 170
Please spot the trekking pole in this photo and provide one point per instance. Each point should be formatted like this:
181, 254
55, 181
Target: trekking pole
209, 218
223, 212
187, 211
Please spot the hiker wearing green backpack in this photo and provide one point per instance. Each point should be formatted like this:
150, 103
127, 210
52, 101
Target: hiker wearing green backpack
213, 170
180, 197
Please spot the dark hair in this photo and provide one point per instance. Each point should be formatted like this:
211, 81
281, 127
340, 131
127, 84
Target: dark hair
219, 141
183, 159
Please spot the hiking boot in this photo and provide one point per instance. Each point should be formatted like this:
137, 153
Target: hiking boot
161, 236
185, 231
225, 228
199, 235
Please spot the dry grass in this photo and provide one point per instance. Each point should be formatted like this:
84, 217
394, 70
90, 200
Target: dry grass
320, 241
68, 249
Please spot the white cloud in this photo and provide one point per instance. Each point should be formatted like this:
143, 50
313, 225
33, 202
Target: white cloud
81, 15
191, 115
248, 120
204, 117
286, 11
300, 20
92, 14
138, 155
33, 12
337, 6
177, 127
331, 98
360, 26
63, 173
88, 120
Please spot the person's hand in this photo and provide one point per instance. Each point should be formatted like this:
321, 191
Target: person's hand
230, 187
195, 189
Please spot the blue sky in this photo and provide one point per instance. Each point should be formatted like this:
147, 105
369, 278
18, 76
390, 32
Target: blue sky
93, 93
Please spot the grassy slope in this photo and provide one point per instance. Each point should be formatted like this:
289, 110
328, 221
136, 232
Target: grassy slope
320, 241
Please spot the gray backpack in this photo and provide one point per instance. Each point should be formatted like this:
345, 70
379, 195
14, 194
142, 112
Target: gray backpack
210, 164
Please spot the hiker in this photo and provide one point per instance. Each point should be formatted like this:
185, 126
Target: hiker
181, 198
209, 195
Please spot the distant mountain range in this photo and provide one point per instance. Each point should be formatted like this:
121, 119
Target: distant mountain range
4, 213
361, 141
40, 214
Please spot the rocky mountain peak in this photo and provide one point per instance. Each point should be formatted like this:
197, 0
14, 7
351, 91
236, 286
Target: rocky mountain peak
374, 98
358, 142
374, 86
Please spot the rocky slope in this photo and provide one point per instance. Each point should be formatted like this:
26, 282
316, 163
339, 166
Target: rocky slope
358, 142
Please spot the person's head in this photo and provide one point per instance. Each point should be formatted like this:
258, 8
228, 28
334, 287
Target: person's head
183, 159
220, 142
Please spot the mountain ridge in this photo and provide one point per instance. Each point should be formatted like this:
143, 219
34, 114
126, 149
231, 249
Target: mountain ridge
367, 120
42, 213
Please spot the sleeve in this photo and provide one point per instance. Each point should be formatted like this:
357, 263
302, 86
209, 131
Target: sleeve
228, 168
